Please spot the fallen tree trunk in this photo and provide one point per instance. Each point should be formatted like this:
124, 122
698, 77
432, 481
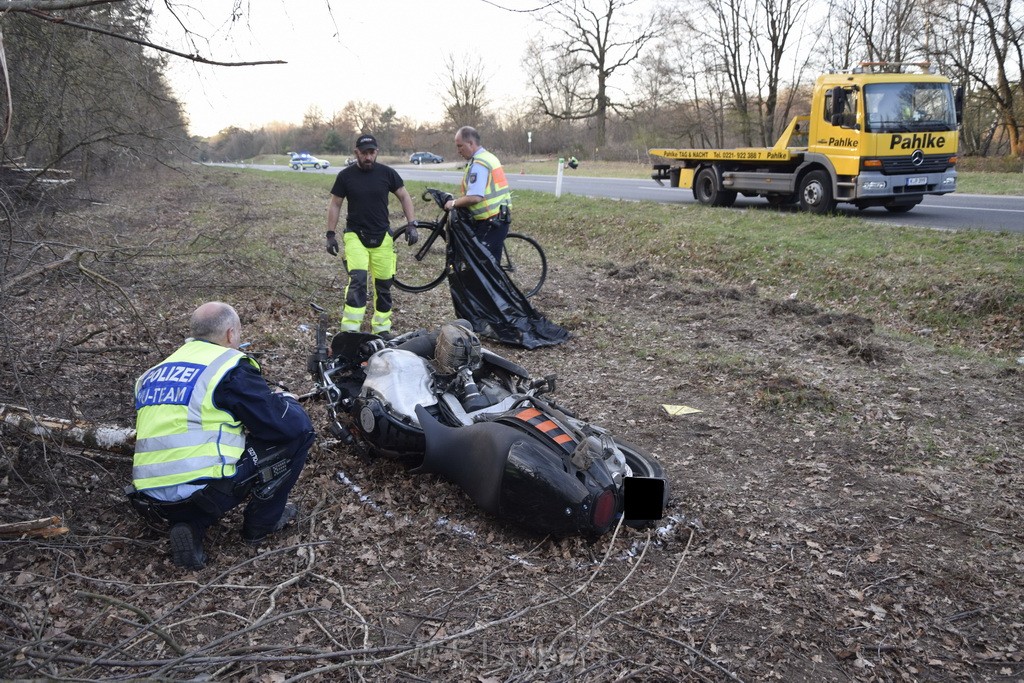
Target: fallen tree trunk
40, 528
102, 437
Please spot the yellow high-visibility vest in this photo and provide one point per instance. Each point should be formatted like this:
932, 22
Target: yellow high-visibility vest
181, 436
496, 193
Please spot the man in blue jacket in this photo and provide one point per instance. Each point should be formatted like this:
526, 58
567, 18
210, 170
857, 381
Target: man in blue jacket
210, 434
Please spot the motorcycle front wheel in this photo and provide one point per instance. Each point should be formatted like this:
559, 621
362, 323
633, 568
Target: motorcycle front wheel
642, 464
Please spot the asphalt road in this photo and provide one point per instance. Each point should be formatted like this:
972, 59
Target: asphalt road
949, 212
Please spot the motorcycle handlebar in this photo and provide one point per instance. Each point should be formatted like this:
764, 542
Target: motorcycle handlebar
321, 330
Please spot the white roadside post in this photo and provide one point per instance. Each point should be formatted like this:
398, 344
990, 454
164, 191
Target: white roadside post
558, 178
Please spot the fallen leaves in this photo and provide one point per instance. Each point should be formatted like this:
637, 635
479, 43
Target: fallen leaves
858, 493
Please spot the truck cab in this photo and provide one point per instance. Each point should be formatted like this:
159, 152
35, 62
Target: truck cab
890, 138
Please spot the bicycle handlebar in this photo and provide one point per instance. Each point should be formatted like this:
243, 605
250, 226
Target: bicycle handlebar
439, 196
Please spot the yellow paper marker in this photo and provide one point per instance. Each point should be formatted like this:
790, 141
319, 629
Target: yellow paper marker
679, 410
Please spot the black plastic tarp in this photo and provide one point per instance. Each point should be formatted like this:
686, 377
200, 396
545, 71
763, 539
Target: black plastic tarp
483, 294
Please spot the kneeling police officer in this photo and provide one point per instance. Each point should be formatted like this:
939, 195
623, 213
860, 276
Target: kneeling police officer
210, 434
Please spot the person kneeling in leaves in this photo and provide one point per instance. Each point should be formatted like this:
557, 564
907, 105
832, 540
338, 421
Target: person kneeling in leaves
211, 434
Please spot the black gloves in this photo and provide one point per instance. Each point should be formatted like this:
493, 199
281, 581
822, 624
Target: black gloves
411, 234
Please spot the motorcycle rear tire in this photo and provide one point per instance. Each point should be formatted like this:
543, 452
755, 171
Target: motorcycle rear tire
643, 464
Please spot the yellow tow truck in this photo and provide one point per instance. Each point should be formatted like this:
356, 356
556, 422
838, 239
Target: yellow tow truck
876, 136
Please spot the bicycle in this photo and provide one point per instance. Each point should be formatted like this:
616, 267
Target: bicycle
425, 264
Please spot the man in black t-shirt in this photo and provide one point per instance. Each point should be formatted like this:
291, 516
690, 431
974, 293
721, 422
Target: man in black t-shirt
367, 239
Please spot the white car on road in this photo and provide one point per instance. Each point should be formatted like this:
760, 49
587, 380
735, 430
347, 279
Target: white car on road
305, 160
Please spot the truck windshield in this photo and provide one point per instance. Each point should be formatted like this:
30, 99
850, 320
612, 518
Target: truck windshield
906, 107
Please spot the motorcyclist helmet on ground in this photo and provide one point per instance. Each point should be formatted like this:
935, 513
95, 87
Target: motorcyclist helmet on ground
457, 347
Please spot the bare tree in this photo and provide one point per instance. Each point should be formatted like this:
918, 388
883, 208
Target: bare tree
841, 37
313, 119
592, 37
984, 40
464, 85
874, 31
94, 101
83, 87
361, 116
387, 128
44, 10
731, 30
780, 19
656, 92
706, 102
561, 83
753, 43
122, 20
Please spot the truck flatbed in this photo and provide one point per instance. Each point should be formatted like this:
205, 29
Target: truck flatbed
738, 154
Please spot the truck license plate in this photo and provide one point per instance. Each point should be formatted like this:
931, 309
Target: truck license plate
917, 180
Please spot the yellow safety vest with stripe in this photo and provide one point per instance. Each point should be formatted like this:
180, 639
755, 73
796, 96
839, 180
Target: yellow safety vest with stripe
181, 436
495, 194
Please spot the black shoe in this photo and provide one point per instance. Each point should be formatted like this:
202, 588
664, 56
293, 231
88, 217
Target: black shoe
187, 547
254, 536
385, 335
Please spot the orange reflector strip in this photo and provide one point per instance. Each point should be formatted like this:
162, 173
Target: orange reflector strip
528, 414
547, 426
563, 438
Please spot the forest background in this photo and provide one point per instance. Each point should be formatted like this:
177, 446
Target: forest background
608, 79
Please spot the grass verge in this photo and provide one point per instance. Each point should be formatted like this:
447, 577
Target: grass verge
956, 288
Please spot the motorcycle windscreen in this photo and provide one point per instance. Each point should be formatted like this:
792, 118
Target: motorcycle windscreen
644, 498
483, 294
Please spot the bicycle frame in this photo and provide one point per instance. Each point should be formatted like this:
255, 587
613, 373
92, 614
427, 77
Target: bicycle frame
525, 264
440, 228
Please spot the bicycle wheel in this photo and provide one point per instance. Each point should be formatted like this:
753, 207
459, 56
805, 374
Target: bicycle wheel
422, 266
524, 262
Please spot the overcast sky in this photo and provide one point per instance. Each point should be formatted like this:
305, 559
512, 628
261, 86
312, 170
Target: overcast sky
390, 52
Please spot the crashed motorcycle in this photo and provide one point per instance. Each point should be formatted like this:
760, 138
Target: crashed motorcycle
441, 403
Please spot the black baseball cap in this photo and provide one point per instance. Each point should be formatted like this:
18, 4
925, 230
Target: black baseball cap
366, 142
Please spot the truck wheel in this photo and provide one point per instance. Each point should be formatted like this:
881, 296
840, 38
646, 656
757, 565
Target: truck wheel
816, 193
707, 192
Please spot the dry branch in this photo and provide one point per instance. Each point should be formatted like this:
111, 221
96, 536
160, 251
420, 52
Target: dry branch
40, 528
163, 635
71, 257
102, 437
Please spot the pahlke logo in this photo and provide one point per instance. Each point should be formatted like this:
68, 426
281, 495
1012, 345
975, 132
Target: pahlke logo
917, 141
842, 142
